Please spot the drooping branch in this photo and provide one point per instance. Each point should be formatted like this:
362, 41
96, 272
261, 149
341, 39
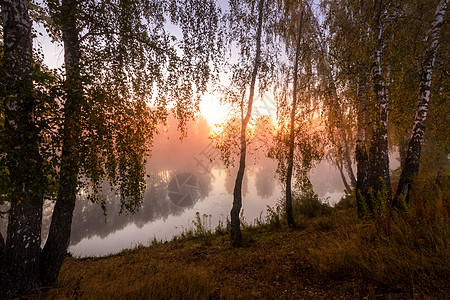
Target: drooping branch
335, 111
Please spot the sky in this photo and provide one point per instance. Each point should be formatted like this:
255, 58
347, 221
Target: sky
210, 106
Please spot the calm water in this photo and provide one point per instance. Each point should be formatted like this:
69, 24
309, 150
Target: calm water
166, 211
183, 178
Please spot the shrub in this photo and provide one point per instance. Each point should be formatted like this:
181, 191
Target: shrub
309, 205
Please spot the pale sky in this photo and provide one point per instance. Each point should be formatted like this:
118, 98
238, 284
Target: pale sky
210, 106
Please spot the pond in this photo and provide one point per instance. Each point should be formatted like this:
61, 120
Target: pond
183, 178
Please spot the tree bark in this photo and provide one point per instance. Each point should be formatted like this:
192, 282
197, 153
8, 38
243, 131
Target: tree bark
2, 265
236, 235
347, 161
2, 256
289, 208
362, 158
378, 176
58, 240
24, 162
411, 163
344, 180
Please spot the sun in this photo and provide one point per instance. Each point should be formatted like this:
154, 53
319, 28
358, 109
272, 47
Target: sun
212, 110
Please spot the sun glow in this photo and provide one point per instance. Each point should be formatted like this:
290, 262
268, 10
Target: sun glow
213, 111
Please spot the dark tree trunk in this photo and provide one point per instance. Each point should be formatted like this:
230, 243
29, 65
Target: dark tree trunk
378, 175
411, 164
24, 162
403, 148
2, 266
289, 208
58, 240
2, 256
344, 180
345, 153
236, 235
362, 158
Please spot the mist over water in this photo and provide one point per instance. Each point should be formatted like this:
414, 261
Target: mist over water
183, 178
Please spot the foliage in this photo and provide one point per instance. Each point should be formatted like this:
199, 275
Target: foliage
274, 216
47, 87
308, 151
240, 42
306, 203
347, 201
226, 138
376, 204
405, 251
133, 72
144, 70
298, 141
201, 229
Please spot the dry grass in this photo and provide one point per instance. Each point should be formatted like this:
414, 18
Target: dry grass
337, 256
334, 256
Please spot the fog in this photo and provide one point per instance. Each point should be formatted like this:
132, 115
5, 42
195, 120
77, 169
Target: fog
184, 176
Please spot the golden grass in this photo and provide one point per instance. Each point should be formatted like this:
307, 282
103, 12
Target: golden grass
402, 256
337, 256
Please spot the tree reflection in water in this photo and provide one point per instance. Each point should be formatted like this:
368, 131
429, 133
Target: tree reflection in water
177, 182
89, 221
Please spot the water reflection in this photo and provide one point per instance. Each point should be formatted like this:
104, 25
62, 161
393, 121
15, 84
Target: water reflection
182, 179
265, 180
160, 202
174, 184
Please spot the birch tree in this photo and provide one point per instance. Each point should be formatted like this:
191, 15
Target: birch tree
58, 239
411, 163
113, 66
297, 146
290, 158
349, 53
118, 58
236, 235
24, 162
378, 175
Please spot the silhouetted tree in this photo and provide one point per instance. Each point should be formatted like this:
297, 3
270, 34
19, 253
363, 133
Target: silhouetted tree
236, 235
23, 160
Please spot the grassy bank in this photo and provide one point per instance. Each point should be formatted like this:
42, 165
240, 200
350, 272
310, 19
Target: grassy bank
333, 255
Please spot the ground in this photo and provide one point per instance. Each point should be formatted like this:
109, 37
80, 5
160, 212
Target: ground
329, 257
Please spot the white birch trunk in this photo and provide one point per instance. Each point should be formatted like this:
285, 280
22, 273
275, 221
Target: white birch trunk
411, 164
379, 156
290, 167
